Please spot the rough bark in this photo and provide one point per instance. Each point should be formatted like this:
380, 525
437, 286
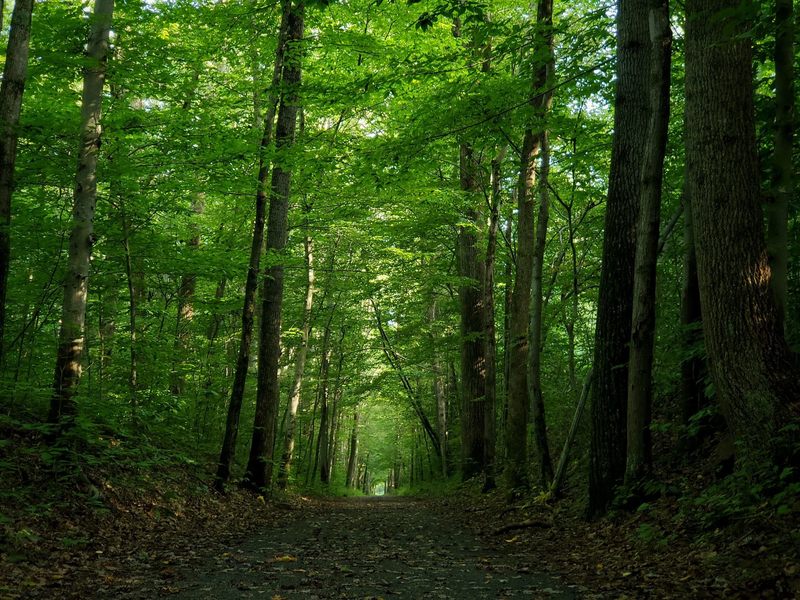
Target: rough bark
15, 73
535, 329
643, 323
756, 380
259, 466
473, 339
72, 336
299, 370
782, 177
228, 450
615, 300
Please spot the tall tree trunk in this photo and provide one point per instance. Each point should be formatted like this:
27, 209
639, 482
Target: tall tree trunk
259, 466
519, 396
643, 323
544, 78
473, 330
132, 306
352, 453
328, 444
535, 343
783, 184
15, 73
490, 419
615, 300
323, 394
228, 449
756, 380
437, 383
72, 336
693, 369
299, 370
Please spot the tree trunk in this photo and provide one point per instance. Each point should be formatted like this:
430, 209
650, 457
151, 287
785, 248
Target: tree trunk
15, 73
615, 300
72, 336
259, 466
228, 449
519, 396
490, 421
352, 452
299, 370
439, 395
643, 323
322, 395
756, 380
473, 340
782, 178
544, 78
693, 369
535, 343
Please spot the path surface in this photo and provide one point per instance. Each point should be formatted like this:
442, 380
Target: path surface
365, 548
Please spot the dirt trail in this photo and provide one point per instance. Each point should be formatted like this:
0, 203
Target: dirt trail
364, 548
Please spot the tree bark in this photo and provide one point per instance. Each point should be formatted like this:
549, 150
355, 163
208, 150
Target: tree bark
259, 466
72, 336
535, 343
756, 380
299, 370
643, 323
15, 74
228, 450
473, 339
615, 300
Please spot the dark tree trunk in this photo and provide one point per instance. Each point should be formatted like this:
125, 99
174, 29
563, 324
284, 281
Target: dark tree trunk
228, 449
783, 184
259, 466
615, 300
473, 339
352, 453
643, 324
14, 75
756, 380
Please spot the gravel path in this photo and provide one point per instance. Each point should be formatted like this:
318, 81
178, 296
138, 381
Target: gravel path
364, 548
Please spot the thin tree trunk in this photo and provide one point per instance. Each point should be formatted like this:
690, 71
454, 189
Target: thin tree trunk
132, 370
72, 336
228, 450
615, 301
259, 465
352, 453
322, 395
643, 324
439, 395
693, 369
782, 177
299, 370
490, 420
12, 88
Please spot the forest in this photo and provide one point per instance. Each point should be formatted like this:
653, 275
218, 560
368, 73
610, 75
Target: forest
507, 292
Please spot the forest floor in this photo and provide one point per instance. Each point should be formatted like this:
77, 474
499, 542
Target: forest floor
136, 525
